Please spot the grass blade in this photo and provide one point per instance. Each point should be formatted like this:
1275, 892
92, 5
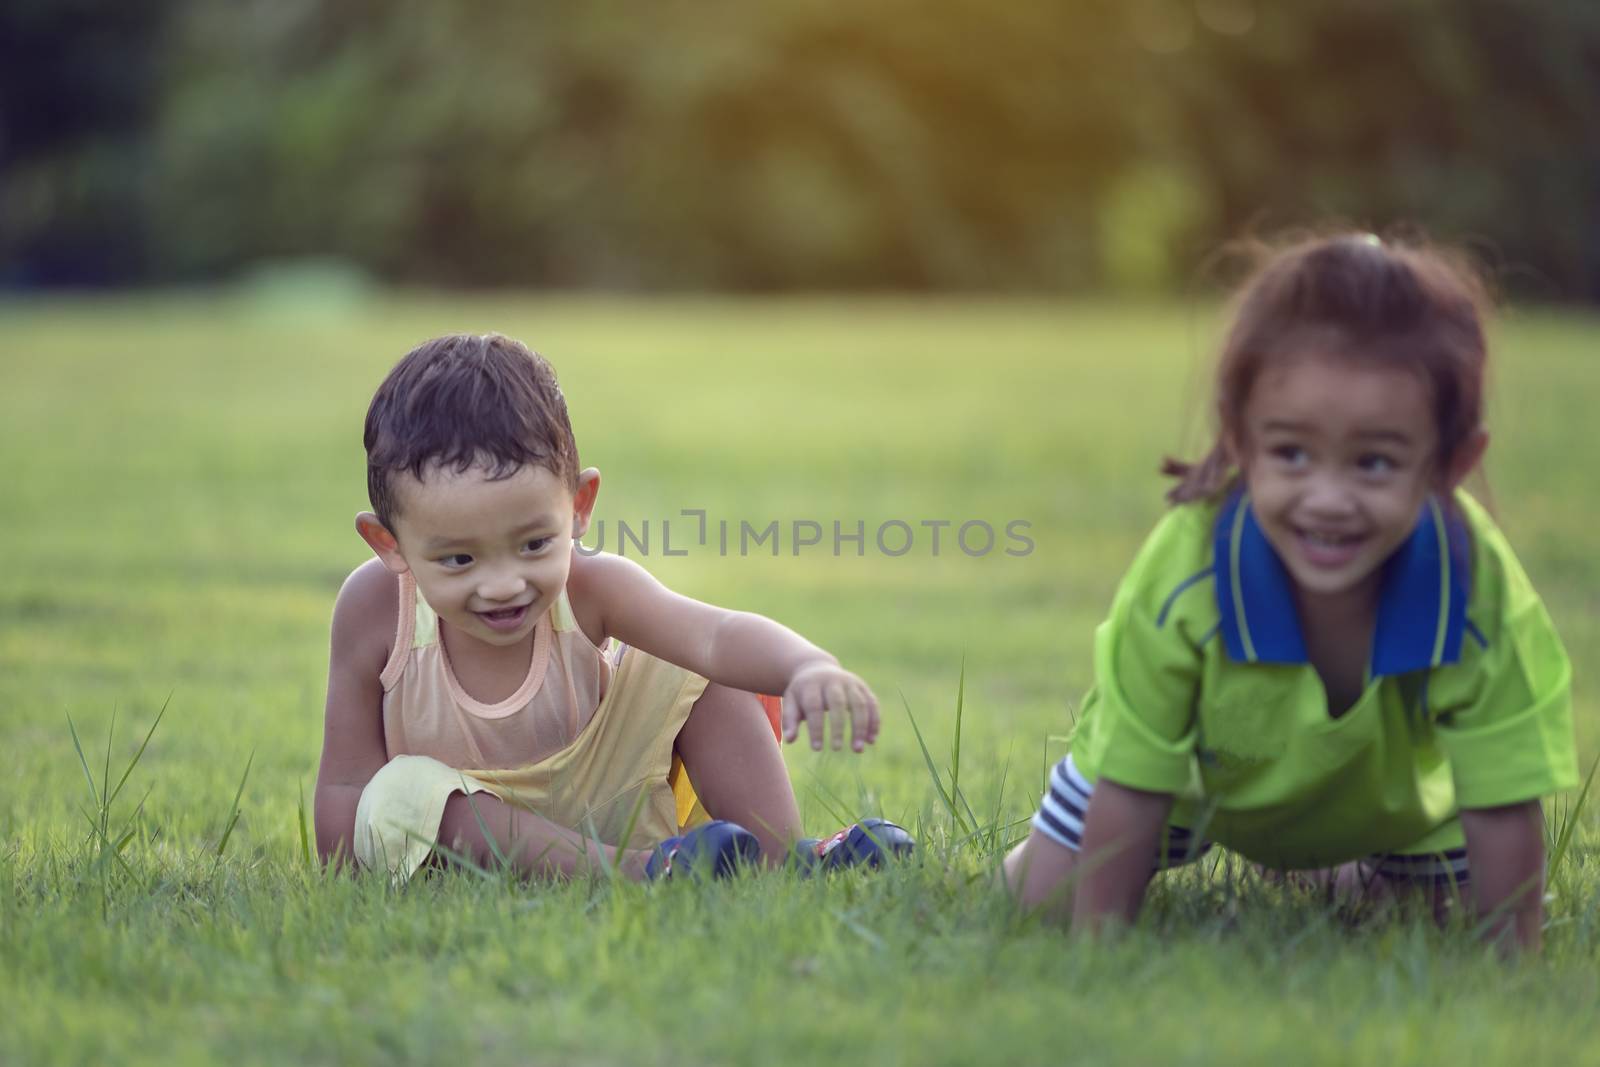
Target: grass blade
933, 771
108, 852
94, 825
993, 832
131, 825
233, 814
139, 754
956, 794
1558, 853
305, 835
955, 738
832, 802
105, 775
1000, 796
94, 791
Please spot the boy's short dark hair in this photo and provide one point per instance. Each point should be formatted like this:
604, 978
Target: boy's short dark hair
466, 400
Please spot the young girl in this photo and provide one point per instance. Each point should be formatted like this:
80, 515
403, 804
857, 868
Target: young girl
1325, 656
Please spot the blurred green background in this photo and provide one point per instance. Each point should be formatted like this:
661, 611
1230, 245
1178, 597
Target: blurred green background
964, 145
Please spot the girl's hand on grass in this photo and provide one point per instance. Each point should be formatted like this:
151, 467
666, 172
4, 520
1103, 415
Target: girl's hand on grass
822, 689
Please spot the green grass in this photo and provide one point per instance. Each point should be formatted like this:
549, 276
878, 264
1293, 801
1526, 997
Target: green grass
176, 499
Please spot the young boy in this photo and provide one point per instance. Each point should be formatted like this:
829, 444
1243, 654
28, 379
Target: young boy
494, 690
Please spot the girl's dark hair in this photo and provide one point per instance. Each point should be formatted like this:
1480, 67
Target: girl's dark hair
1350, 295
462, 400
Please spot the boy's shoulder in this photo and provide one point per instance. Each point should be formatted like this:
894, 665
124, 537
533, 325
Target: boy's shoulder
600, 583
592, 571
366, 614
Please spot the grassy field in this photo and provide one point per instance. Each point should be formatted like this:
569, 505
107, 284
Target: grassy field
176, 497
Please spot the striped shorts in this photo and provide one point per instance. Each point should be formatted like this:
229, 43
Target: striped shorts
1061, 814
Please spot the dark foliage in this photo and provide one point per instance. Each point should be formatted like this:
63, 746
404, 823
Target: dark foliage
793, 144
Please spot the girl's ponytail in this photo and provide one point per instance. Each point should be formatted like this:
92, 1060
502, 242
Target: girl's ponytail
1208, 478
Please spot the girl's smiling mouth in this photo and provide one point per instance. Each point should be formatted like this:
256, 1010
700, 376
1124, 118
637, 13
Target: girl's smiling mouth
1321, 548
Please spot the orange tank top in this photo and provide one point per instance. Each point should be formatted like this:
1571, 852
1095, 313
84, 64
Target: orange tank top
426, 712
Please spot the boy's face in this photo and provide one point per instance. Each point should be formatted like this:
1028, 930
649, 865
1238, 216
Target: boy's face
489, 555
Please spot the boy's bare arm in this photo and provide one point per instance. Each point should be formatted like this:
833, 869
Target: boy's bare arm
737, 649
1121, 832
352, 736
487, 830
1505, 848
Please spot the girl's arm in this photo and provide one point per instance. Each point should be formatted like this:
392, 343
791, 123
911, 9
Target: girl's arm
737, 649
1121, 832
1505, 850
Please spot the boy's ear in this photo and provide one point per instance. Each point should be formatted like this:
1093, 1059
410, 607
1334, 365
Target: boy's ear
383, 542
1468, 455
583, 501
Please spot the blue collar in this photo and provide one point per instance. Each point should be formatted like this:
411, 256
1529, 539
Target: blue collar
1422, 608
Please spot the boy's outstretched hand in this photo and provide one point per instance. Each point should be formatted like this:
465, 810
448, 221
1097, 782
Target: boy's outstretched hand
826, 690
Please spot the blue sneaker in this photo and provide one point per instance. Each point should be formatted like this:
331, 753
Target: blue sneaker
869, 843
718, 847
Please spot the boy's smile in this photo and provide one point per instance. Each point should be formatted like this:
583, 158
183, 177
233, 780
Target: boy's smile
1339, 455
489, 555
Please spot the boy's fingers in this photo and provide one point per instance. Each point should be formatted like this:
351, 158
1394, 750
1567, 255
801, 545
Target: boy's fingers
858, 717
791, 715
838, 697
864, 724
814, 728
814, 716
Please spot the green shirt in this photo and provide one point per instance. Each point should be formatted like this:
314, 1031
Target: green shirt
1203, 690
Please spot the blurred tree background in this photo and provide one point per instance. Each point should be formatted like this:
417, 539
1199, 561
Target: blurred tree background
791, 144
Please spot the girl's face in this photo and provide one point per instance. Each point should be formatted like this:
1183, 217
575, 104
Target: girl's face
1338, 455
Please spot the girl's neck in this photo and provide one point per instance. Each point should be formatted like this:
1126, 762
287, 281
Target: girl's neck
1337, 629
1354, 609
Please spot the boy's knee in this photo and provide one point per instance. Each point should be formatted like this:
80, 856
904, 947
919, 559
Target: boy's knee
718, 701
398, 816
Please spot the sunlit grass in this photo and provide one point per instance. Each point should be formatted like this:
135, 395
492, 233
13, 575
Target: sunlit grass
175, 516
